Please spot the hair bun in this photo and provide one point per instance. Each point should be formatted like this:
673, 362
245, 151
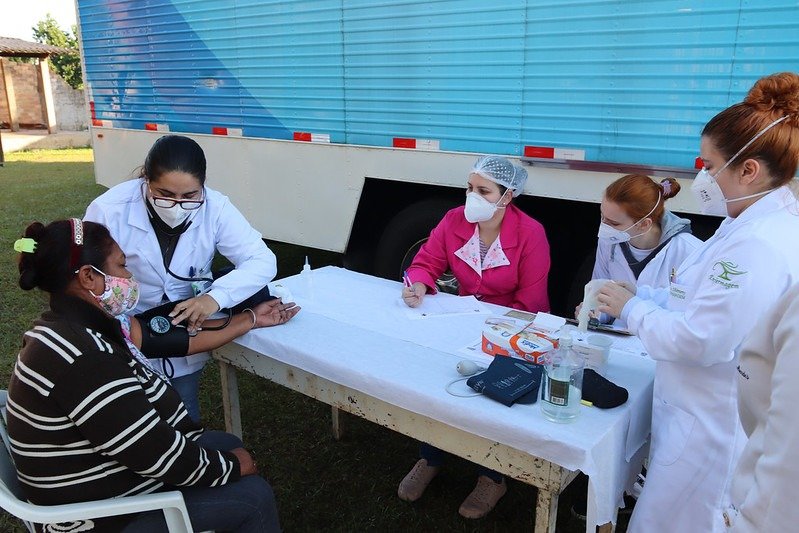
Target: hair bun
35, 231
777, 94
28, 274
670, 187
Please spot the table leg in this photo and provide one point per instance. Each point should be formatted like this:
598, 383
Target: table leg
546, 511
230, 398
338, 422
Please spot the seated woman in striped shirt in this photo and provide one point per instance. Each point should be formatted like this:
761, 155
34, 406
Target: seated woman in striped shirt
89, 421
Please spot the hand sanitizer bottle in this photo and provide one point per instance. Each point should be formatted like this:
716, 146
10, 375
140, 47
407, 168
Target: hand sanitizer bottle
562, 389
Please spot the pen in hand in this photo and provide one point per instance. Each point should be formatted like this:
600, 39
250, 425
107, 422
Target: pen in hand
411, 295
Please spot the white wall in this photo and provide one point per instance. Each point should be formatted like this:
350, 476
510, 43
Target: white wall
70, 105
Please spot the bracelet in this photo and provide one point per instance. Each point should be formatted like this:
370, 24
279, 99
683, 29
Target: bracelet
254, 318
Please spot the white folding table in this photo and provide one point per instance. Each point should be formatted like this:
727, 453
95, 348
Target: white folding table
353, 347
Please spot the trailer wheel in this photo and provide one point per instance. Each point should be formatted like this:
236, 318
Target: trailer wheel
405, 234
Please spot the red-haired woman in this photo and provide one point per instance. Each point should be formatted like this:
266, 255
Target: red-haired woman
639, 240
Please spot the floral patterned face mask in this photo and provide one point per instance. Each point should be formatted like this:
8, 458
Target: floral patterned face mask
120, 295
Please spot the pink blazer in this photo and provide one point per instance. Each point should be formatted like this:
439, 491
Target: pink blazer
522, 284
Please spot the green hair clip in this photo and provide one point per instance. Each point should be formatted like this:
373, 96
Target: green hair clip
26, 245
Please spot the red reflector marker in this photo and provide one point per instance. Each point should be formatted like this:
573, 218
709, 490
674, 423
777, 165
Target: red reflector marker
547, 152
402, 142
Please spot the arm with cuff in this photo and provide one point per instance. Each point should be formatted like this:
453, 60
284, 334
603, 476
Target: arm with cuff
179, 343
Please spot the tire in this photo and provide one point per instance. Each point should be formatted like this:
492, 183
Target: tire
405, 234
577, 288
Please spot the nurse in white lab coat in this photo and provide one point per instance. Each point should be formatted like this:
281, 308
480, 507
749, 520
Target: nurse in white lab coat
169, 217
694, 328
639, 241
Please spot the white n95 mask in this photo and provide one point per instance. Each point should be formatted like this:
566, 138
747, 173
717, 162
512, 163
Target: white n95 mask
478, 209
708, 194
612, 235
711, 198
707, 191
608, 233
172, 216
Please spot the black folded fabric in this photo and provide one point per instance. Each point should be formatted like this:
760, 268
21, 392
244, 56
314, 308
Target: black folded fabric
601, 392
509, 380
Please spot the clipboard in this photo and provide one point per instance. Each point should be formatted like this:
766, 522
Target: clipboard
594, 325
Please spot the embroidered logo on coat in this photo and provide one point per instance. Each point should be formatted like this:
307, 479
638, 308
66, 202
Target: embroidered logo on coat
722, 270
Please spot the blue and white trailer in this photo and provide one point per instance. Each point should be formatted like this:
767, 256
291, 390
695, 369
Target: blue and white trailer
350, 125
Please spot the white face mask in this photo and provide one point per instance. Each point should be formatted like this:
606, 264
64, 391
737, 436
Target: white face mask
707, 191
478, 209
612, 235
608, 233
708, 194
710, 197
172, 216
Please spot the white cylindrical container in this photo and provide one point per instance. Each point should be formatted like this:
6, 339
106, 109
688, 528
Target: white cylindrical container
307, 276
562, 387
596, 350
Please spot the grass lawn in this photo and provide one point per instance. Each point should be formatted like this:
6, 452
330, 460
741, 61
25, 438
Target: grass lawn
320, 483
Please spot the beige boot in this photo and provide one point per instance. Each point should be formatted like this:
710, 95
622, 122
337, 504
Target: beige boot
483, 498
412, 486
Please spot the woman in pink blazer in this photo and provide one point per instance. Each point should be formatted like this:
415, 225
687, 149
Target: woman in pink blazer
501, 256
496, 252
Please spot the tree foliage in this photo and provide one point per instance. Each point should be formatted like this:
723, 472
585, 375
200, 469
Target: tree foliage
48, 31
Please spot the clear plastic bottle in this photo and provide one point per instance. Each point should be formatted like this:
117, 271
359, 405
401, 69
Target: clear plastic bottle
307, 276
562, 387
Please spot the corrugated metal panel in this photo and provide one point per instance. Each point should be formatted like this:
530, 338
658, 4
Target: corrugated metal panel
624, 80
634, 82
448, 70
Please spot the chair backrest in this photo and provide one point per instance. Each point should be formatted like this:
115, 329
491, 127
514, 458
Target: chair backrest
8, 472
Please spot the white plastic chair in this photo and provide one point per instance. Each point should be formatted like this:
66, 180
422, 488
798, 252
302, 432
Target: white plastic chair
11, 498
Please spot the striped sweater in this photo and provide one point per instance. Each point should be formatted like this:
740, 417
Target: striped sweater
87, 421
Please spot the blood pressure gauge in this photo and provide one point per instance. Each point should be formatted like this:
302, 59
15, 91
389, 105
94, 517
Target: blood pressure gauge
159, 325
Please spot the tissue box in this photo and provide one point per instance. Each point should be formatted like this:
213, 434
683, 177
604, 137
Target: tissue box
507, 337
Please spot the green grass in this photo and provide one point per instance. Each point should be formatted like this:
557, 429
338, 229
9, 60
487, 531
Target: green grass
320, 483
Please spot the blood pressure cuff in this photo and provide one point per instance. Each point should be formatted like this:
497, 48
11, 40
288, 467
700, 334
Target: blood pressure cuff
509, 380
159, 336
261, 296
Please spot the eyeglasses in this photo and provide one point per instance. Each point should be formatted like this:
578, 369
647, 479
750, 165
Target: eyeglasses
163, 201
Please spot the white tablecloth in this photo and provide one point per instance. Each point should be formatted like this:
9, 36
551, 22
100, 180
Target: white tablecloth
353, 331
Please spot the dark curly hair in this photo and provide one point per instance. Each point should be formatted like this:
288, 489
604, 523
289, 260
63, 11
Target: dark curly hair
48, 267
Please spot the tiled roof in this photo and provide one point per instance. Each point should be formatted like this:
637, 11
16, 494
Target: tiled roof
10, 46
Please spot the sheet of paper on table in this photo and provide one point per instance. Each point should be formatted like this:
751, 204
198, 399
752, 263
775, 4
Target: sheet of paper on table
434, 305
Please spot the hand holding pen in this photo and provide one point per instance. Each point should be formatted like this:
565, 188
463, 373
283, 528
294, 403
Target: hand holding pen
412, 293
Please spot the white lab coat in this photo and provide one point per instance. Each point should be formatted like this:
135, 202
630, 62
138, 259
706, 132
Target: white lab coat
611, 264
217, 225
693, 329
764, 486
